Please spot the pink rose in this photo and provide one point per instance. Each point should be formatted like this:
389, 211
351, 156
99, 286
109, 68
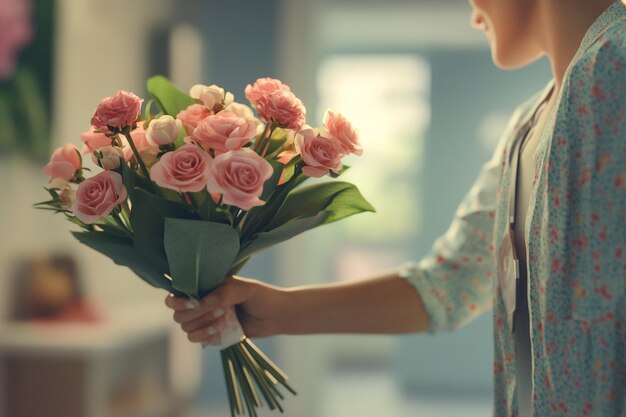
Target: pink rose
64, 163
183, 170
97, 196
283, 108
224, 131
239, 176
147, 151
117, 112
319, 152
94, 140
192, 116
341, 129
264, 87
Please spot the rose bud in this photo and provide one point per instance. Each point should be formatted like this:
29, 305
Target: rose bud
108, 157
163, 131
64, 163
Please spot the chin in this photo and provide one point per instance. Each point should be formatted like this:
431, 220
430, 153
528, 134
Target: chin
513, 60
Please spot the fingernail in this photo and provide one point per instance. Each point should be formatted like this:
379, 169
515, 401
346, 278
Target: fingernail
218, 313
211, 330
191, 304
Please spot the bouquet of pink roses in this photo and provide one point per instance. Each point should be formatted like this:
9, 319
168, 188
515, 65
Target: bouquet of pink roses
193, 187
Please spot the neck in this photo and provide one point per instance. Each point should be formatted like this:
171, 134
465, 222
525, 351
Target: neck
565, 23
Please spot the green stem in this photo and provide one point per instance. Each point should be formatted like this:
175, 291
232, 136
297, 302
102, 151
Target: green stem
266, 145
260, 139
144, 169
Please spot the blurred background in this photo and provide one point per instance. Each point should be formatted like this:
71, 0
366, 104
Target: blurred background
80, 336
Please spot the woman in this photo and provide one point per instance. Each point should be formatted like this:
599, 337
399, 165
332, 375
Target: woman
540, 237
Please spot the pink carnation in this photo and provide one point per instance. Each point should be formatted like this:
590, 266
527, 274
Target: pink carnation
264, 87
239, 176
224, 131
341, 129
97, 196
183, 170
192, 116
64, 163
117, 112
282, 108
319, 152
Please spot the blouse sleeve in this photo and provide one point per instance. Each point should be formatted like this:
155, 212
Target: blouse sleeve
455, 279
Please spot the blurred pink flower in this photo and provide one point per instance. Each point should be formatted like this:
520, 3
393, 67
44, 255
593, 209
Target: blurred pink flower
64, 163
183, 170
341, 129
117, 112
264, 87
283, 108
224, 131
319, 151
97, 196
16, 31
239, 176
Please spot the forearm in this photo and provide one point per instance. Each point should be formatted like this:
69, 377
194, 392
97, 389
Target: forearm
387, 304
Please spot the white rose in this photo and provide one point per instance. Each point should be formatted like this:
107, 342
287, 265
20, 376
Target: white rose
240, 110
211, 96
163, 131
108, 157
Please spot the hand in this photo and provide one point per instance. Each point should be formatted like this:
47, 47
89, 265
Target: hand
259, 308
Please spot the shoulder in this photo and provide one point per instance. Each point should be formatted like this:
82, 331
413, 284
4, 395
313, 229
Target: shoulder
603, 63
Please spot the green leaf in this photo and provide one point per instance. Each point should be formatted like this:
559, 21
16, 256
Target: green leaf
337, 198
305, 209
281, 233
272, 182
147, 218
122, 252
169, 98
258, 217
200, 254
132, 180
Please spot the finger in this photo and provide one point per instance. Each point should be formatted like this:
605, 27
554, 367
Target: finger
212, 341
207, 333
210, 319
180, 303
186, 316
232, 291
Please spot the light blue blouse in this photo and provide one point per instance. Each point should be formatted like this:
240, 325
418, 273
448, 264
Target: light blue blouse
576, 243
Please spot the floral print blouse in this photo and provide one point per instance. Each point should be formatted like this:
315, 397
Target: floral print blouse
576, 243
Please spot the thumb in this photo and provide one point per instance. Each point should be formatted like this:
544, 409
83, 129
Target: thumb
233, 290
